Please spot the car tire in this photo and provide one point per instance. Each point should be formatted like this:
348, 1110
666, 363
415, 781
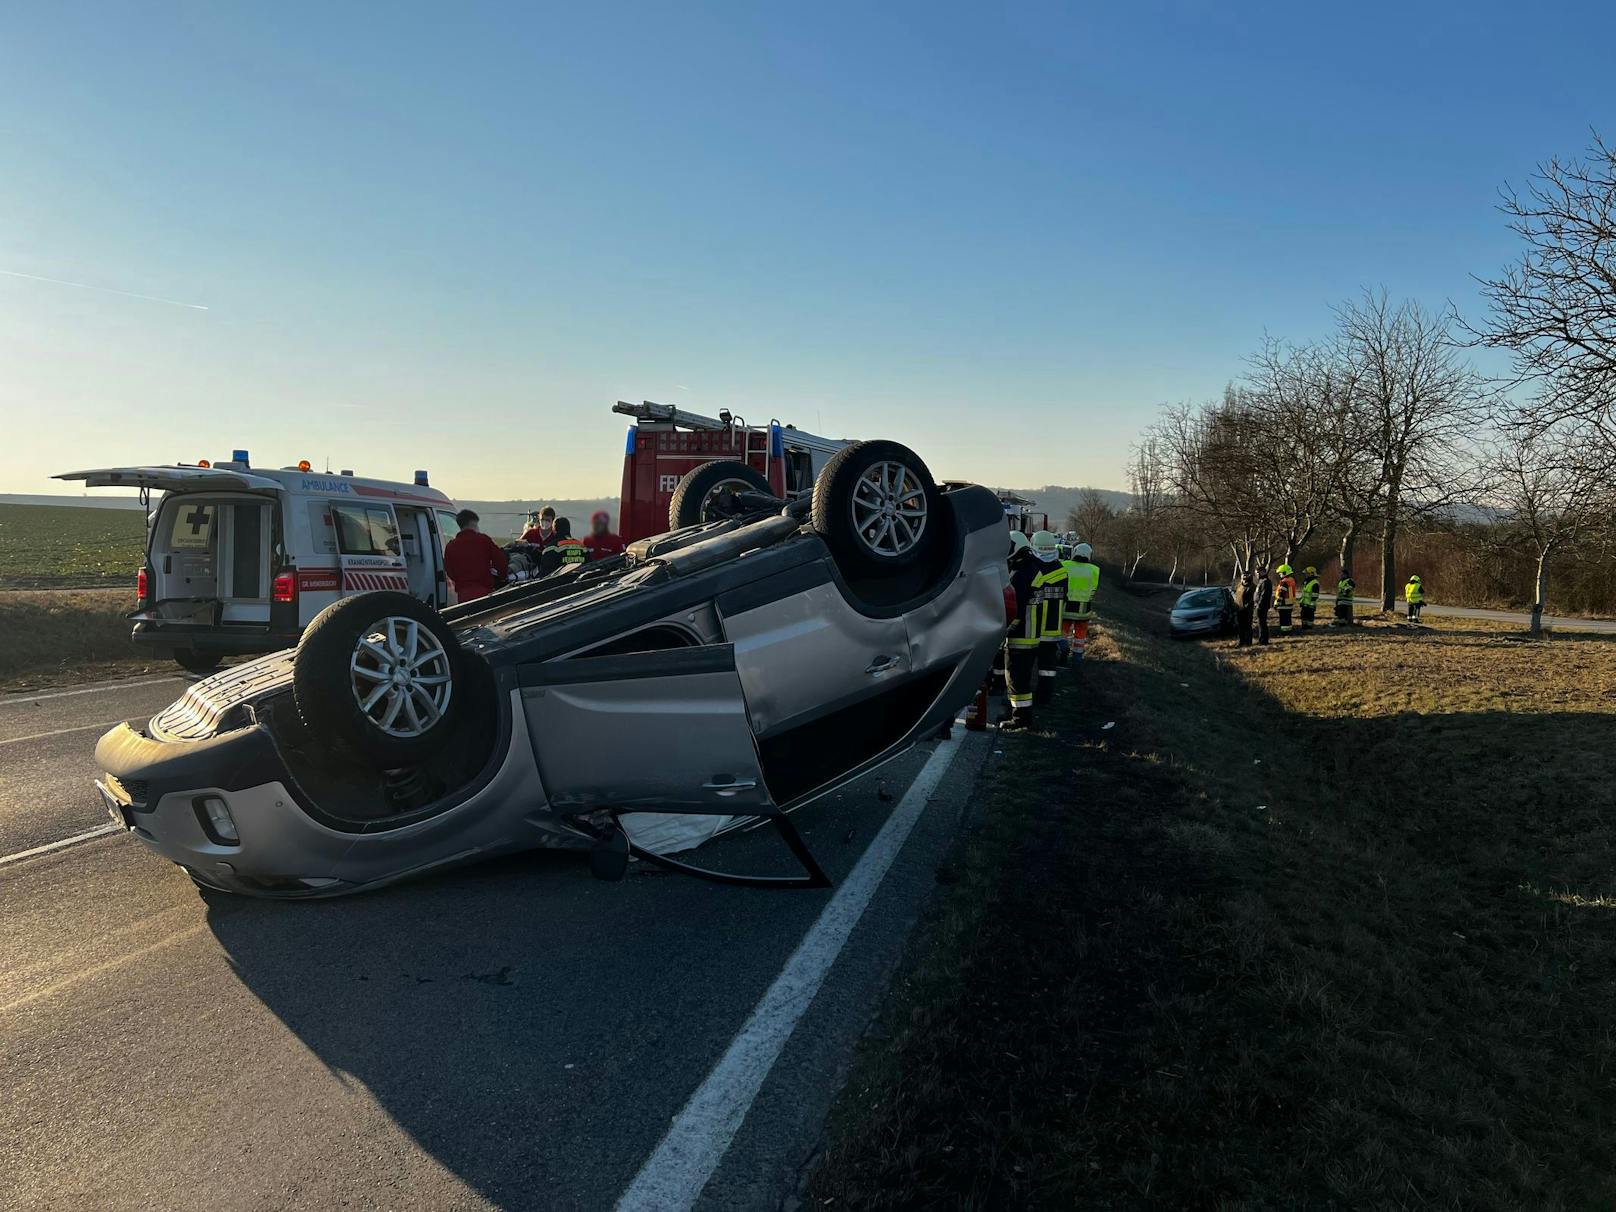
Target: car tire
693, 498
379, 673
877, 508
199, 663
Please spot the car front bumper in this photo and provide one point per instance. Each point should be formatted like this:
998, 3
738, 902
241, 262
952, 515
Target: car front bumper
157, 791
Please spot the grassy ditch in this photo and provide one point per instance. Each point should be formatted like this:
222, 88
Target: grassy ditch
58, 637
1325, 924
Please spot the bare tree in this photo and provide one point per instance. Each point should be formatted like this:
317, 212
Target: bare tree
1091, 517
1552, 497
1418, 403
1301, 402
1142, 525
1556, 308
1212, 459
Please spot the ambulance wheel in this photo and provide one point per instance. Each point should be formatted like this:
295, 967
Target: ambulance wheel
877, 508
379, 673
199, 663
700, 495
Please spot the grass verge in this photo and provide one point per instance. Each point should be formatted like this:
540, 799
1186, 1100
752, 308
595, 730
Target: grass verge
1325, 924
59, 637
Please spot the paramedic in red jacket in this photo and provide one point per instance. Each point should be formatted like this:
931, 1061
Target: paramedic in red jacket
474, 562
600, 540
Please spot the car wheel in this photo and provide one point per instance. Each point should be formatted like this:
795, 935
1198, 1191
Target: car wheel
699, 495
378, 672
199, 663
877, 507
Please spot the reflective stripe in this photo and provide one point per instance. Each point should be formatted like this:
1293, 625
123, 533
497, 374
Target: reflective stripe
1049, 600
1021, 700
1017, 641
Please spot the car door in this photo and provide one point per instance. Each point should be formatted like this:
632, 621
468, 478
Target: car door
663, 729
802, 649
369, 548
830, 687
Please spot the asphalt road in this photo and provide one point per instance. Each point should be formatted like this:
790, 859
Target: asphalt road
512, 1035
1558, 622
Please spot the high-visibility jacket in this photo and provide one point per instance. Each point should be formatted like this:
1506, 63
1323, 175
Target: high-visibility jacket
1049, 587
1344, 590
1310, 592
572, 551
1082, 580
1414, 593
1285, 591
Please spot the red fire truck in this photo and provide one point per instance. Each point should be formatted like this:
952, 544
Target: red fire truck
666, 443
1019, 512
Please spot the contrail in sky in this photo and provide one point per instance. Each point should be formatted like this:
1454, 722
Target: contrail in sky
128, 294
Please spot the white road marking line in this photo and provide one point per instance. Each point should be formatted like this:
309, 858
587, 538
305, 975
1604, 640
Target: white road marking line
674, 1175
39, 736
21, 699
117, 961
98, 831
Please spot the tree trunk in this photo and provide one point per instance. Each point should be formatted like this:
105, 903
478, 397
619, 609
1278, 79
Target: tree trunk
1541, 595
1349, 542
1388, 563
1388, 545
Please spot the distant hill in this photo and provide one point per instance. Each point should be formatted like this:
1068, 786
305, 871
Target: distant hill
1058, 501
505, 519
97, 500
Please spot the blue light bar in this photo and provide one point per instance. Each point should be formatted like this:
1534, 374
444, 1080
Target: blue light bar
628, 446
239, 456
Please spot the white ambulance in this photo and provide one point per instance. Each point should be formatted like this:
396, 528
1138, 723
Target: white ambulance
239, 559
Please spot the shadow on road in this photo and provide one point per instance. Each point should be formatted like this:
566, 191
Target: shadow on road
531, 1028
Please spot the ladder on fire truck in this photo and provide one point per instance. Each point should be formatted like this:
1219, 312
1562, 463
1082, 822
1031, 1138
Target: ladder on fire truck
650, 412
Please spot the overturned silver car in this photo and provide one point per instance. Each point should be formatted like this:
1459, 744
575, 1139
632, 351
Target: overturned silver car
725, 671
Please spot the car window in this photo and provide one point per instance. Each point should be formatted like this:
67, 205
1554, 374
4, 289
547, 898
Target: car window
447, 526
193, 526
365, 529
1202, 598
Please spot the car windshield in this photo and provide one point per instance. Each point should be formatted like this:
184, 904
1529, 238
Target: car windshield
1200, 599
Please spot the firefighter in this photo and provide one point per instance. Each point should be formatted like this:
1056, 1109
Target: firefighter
1050, 587
1414, 594
572, 551
474, 563
1309, 596
1345, 588
1021, 646
1285, 597
1263, 603
600, 540
1082, 582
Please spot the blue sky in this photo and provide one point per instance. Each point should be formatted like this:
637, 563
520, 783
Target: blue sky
450, 236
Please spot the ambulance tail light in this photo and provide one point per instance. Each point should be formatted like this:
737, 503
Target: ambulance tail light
142, 587
284, 586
